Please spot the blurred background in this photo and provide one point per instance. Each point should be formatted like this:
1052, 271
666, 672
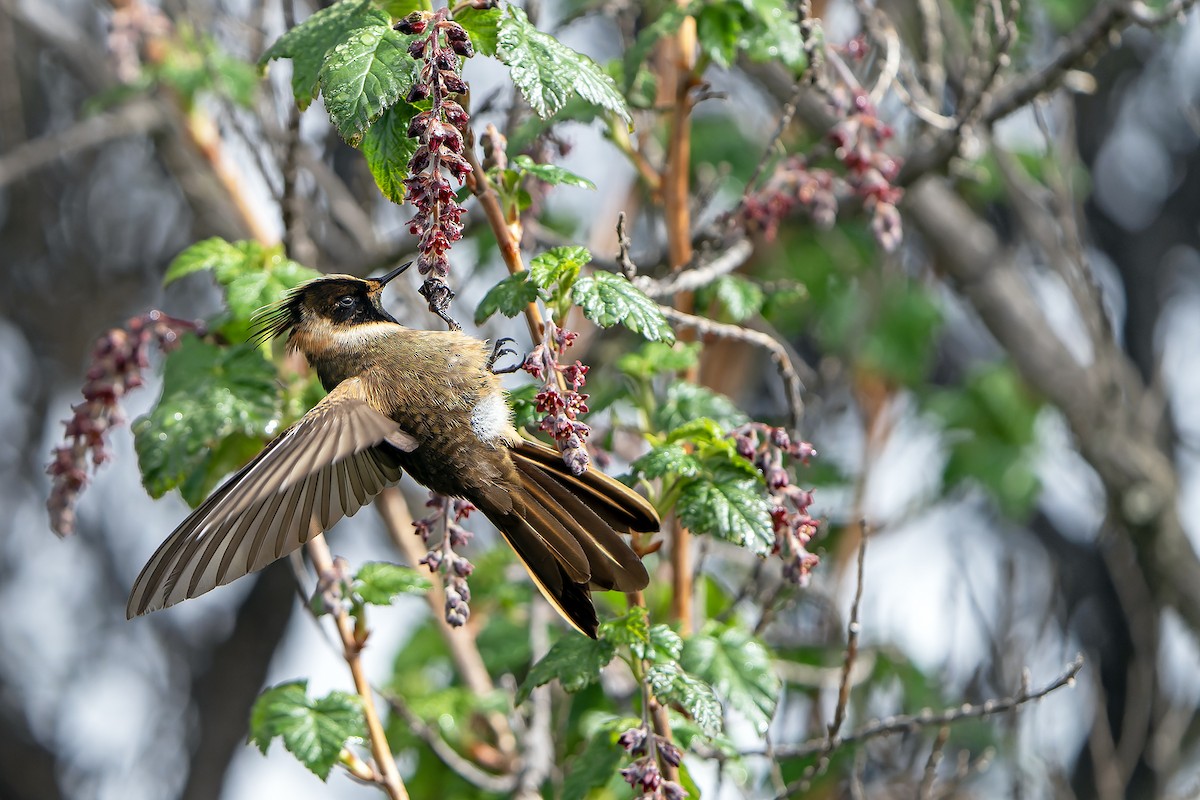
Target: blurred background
1010, 397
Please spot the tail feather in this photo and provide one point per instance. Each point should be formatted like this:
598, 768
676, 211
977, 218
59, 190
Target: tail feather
567, 530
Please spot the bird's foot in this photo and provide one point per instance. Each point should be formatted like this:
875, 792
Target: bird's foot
498, 352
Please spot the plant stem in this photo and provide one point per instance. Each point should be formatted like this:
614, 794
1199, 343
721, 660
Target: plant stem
385, 764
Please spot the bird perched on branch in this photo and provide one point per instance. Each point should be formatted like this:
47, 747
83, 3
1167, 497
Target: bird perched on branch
425, 402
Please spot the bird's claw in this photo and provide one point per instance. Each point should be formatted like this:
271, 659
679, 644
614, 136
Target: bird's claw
498, 352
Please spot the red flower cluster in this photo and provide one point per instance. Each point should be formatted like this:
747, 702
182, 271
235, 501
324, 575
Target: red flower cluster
559, 407
438, 221
766, 446
447, 514
644, 774
866, 172
118, 359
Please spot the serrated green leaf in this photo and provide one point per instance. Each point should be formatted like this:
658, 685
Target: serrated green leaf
720, 28
549, 73
210, 394
631, 629
689, 401
665, 643
671, 684
739, 298
657, 358
727, 505
482, 25
558, 267
313, 730
510, 297
667, 460
551, 174
365, 73
261, 284
738, 666
307, 43
224, 259
607, 299
387, 148
378, 582
777, 36
699, 430
575, 660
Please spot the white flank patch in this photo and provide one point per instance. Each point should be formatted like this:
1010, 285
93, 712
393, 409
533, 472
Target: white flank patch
365, 333
491, 418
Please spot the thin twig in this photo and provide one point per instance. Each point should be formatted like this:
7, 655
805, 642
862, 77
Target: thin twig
928, 718
461, 766
929, 776
352, 645
692, 278
783, 362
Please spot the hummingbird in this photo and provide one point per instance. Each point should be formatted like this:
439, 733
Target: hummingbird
428, 403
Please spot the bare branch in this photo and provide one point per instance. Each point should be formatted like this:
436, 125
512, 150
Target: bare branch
783, 362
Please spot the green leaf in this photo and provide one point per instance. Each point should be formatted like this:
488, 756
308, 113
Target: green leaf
992, 424
689, 401
549, 73
575, 660
740, 298
524, 406
551, 174
671, 684
313, 730
210, 395
252, 276
558, 267
379, 582
719, 30
398, 9
699, 430
738, 666
665, 644
223, 258
482, 25
729, 506
307, 43
667, 459
607, 299
667, 24
596, 765
631, 629
259, 286
509, 297
656, 358
777, 37
903, 334
364, 74
387, 148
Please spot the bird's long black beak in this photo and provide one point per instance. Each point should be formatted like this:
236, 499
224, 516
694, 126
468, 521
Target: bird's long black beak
383, 281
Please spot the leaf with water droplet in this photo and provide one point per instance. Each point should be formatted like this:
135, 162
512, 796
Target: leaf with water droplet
549, 73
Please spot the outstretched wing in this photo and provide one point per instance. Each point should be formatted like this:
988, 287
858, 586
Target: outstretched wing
329, 464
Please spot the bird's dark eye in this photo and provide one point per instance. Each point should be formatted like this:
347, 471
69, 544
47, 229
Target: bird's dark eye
346, 302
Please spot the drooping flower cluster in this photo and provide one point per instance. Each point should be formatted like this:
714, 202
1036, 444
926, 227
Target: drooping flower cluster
438, 221
561, 404
455, 569
644, 774
766, 447
865, 172
118, 359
